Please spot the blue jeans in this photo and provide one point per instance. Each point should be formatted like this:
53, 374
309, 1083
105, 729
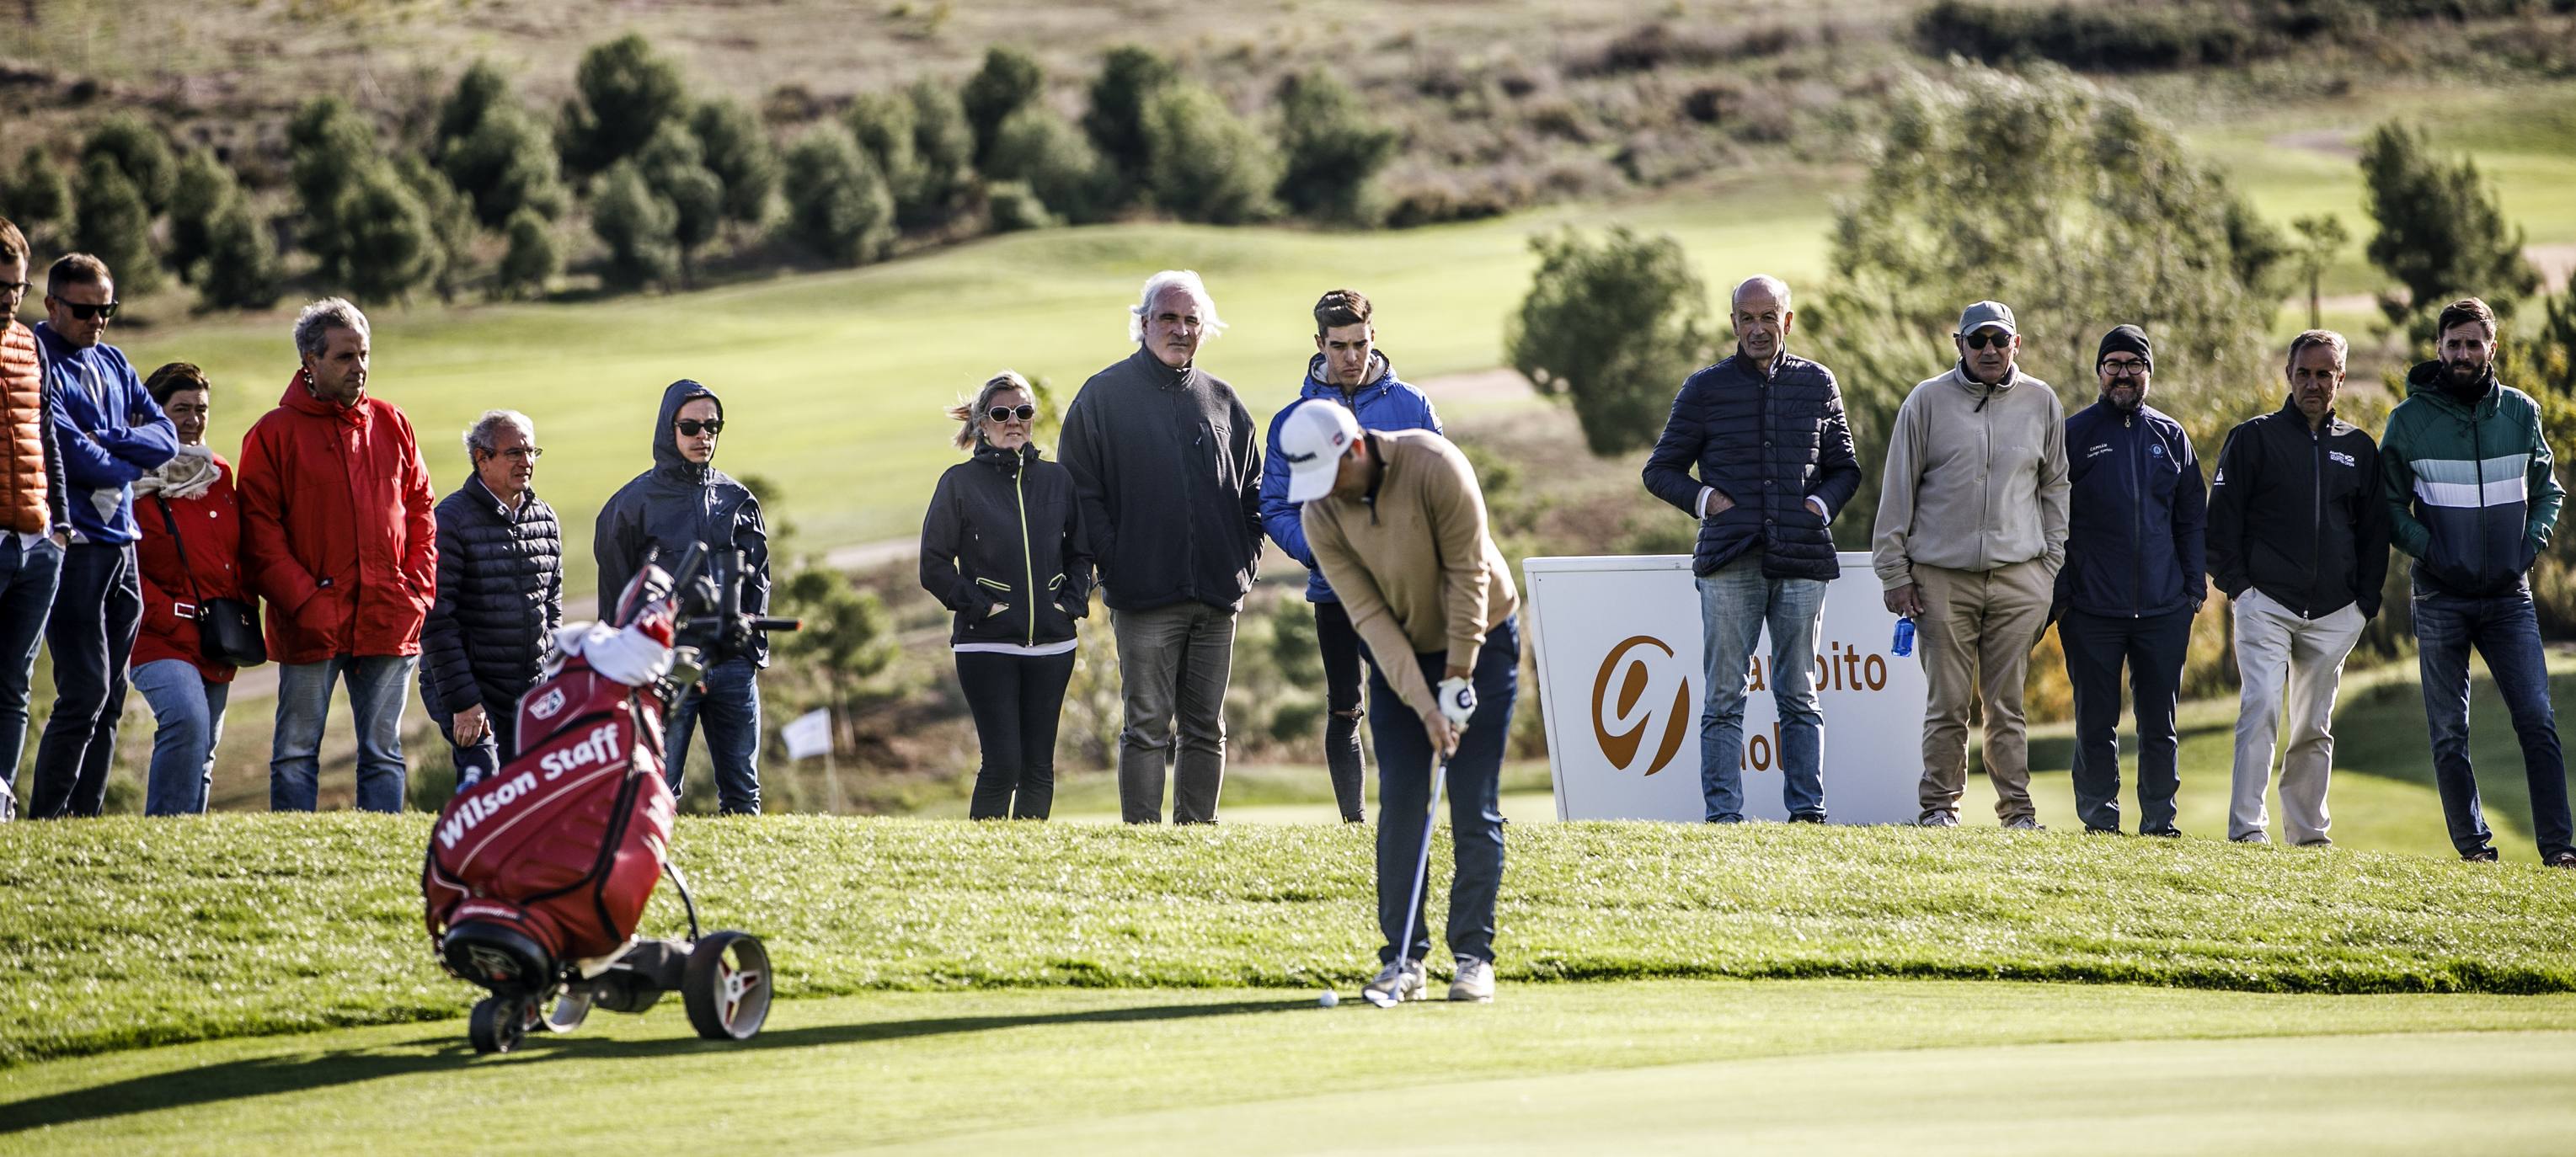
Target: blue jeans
97, 609
27, 581
731, 706
1404, 767
376, 692
2506, 631
1735, 602
188, 716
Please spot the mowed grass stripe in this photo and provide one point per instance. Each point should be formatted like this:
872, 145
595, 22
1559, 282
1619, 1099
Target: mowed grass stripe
128, 933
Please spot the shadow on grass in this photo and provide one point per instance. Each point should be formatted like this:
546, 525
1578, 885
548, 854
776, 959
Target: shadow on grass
270, 1076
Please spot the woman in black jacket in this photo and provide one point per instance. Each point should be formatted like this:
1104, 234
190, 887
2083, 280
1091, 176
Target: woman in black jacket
500, 595
1003, 547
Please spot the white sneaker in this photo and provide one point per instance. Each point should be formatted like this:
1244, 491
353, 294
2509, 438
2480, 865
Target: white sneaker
1475, 981
1400, 980
2024, 824
1937, 818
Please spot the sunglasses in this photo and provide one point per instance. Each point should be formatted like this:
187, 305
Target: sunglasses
87, 312
691, 427
1983, 338
1023, 412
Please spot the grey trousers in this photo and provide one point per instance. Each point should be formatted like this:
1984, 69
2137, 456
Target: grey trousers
1173, 666
2287, 665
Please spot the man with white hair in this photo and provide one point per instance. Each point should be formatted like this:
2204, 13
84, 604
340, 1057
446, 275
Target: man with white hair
500, 596
1167, 465
337, 537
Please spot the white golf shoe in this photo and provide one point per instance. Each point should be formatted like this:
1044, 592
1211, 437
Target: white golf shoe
1399, 981
1475, 981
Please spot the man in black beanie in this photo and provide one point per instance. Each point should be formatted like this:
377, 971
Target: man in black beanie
2133, 580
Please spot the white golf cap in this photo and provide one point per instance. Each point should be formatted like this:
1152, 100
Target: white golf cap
1314, 437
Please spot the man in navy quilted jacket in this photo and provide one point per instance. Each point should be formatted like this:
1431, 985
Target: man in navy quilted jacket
1765, 430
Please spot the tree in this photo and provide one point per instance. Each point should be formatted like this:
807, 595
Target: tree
532, 258
1332, 146
837, 204
203, 188
451, 224
2321, 238
943, 149
1009, 81
239, 269
1612, 328
737, 151
2441, 233
482, 89
1056, 163
625, 92
1130, 76
675, 169
847, 637
40, 200
387, 245
115, 225
140, 152
882, 124
1207, 164
638, 227
328, 148
505, 163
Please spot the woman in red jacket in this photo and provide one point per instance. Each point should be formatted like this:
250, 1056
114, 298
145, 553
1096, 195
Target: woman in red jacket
193, 496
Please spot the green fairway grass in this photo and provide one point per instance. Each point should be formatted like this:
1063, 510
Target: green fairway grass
125, 932
1838, 1066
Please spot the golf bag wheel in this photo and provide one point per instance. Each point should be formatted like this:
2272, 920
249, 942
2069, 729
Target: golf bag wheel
499, 1023
727, 986
572, 1006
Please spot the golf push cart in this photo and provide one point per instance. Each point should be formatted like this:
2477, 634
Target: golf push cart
538, 874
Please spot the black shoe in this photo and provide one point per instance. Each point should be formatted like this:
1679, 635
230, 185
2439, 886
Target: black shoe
2480, 856
2164, 833
2092, 831
2562, 860
1806, 817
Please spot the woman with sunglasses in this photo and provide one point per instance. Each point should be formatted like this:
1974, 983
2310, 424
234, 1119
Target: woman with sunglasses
1003, 547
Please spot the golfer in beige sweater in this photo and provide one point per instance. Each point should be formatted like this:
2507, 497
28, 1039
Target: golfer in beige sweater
1397, 523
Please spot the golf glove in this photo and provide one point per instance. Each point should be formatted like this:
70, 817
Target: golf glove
1457, 701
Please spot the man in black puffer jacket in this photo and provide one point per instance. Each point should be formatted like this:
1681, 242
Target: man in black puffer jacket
1766, 431
500, 594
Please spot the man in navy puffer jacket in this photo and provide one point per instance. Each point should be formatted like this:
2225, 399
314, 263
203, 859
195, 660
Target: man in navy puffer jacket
2133, 580
1765, 430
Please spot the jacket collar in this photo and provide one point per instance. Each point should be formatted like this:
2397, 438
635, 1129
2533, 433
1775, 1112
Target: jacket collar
482, 496
2289, 412
1379, 383
299, 398
1006, 461
1164, 377
1959, 375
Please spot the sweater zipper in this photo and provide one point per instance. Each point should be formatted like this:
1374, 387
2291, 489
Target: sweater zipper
2316, 525
2137, 513
2478, 459
1028, 560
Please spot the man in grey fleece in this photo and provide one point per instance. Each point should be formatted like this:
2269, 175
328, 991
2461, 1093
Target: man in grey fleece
1971, 534
1167, 465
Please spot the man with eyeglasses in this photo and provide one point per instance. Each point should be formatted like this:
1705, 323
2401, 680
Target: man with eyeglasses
684, 502
109, 433
1970, 536
35, 516
1167, 464
2132, 583
500, 596
337, 536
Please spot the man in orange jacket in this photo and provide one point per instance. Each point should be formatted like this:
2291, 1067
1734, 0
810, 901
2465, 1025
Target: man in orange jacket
35, 527
338, 537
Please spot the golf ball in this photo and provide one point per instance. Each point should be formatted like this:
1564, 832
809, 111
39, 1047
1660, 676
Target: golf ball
1328, 1000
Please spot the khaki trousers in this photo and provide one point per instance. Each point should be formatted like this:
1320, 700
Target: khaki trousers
1976, 634
2278, 651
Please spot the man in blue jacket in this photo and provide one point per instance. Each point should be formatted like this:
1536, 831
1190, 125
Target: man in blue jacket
2134, 578
109, 433
1346, 368
1765, 430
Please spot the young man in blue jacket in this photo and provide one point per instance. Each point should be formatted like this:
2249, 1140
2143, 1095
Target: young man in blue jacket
1349, 369
109, 433
2133, 581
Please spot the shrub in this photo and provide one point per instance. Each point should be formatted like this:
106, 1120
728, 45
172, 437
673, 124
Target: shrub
532, 258
674, 168
115, 224
328, 147
481, 89
943, 150
1009, 82
1129, 79
2106, 39
240, 267
737, 151
1612, 328
451, 224
386, 243
203, 186
1044, 152
1207, 164
40, 200
505, 163
624, 93
1016, 207
837, 204
638, 226
2442, 232
1332, 148
141, 153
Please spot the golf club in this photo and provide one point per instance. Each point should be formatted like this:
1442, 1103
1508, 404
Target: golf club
1421, 877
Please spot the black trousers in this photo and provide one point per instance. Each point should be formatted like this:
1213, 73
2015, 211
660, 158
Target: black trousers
1017, 700
1341, 648
2152, 648
97, 610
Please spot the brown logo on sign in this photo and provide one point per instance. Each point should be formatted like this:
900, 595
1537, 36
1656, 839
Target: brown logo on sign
1618, 693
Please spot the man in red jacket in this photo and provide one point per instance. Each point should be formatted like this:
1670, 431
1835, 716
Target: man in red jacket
337, 536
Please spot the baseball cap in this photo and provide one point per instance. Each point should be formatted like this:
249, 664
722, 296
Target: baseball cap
1987, 313
1313, 437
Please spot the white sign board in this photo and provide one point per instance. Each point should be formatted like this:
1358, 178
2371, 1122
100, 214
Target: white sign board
808, 735
1621, 688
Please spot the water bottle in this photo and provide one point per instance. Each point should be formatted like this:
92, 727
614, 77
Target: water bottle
1904, 637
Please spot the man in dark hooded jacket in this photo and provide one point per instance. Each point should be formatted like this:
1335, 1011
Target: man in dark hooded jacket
684, 501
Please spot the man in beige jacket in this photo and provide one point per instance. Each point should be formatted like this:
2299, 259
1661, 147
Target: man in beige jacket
1397, 522
1971, 534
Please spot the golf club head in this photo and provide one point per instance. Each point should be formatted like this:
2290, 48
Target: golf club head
1380, 999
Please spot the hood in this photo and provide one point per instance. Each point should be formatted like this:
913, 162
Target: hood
299, 398
1005, 461
666, 441
2425, 381
1381, 375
